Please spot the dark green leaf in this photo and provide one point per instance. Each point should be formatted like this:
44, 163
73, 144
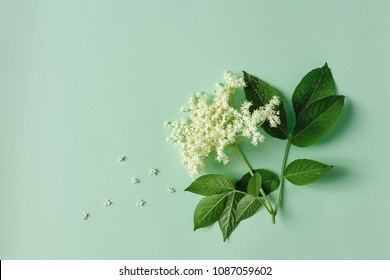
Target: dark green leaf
246, 207
269, 182
254, 185
316, 119
305, 171
227, 221
209, 209
260, 93
211, 184
315, 85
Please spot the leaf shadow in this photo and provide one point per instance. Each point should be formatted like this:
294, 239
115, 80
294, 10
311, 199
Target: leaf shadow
332, 181
335, 177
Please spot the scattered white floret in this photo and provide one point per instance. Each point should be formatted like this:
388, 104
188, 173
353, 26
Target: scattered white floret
107, 202
122, 158
134, 180
140, 203
171, 189
85, 216
153, 171
216, 125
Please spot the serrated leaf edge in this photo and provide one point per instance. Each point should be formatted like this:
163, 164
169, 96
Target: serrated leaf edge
296, 134
239, 217
231, 215
215, 205
328, 167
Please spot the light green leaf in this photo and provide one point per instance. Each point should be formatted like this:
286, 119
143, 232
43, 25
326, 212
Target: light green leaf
211, 184
246, 207
269, 182
305, 171
316, 119
227, 221
315, 85
254, 185
209, 209
260, 93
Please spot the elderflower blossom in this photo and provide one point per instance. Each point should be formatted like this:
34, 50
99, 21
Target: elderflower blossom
85, 216
171, 189
134, 180
217, 125
107, 202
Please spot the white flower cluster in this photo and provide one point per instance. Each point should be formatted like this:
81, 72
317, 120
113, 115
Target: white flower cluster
217, 125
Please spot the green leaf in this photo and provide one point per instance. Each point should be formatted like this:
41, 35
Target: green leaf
209, 209
269, 182
211, 184
254, 185
227, 221
246, 207
316, 119
315, 85
305, 171
260, 93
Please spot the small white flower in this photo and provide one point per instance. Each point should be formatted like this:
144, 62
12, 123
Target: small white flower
85, 216
121, 158
153, 171
140, 203
134, 180
107, 202
171, 189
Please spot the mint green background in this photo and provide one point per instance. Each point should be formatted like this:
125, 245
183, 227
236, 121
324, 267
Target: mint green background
83, 82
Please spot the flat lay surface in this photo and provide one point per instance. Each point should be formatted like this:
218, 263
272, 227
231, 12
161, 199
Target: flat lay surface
85, 87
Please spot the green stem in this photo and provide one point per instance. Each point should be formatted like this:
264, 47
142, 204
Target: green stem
241, 156
267, 200
281, 176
